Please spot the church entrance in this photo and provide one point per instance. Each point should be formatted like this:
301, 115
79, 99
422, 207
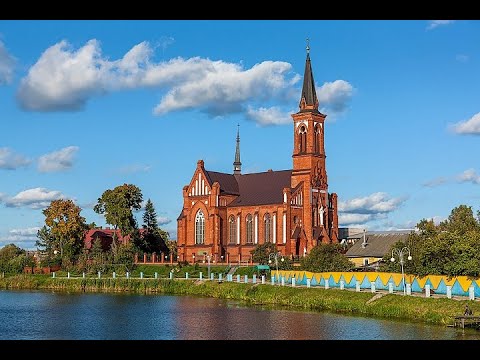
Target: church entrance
297, 247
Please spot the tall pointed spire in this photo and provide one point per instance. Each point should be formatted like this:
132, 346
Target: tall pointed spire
309, 100
237, 165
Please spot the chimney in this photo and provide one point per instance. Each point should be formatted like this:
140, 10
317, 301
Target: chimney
364, 243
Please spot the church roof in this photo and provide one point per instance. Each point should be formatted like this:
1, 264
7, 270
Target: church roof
253, 189
228, 183
262, 188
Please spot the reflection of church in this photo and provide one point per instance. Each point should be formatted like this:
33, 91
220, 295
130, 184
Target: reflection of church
225, 216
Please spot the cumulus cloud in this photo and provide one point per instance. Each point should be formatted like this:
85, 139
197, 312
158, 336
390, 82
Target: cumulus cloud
58, 160
64, 79
432, 24
21, 235
36, 198
364, 209
378, 202
335, 96
392, 226
163, 220
7, 65
470, 126
269, 116
435, 182
134, 168
469, 175
10, 160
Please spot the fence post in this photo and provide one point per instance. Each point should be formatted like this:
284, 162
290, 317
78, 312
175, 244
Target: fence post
220, 276
141, 274
171, 275
427, 290
327, 285
238, 278
283, 280
357, 286
471, 293
273, 279
128, 275
156, 275
308, 283
201, 275
293, 282
113, 275
212, 276
409, 289
53, 274
99, 274
186, 275
68, 275
372, 287
263, 279
449, 292
83, 275
342, 284
390, 287
246, 279
254, 279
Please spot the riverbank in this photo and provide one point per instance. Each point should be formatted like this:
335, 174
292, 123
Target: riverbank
429, 310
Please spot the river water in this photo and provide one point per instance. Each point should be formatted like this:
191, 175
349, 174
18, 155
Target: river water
48, 315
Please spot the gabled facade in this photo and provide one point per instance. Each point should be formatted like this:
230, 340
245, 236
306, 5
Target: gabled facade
225, 216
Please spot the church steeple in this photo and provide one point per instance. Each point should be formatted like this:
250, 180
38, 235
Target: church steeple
308, 100
237, 165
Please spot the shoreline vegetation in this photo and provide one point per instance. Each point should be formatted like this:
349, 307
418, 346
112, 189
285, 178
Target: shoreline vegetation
439, 311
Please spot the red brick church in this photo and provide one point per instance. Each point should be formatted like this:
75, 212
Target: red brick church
225, 216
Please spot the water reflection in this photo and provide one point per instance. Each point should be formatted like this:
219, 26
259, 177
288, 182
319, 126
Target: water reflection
46, 315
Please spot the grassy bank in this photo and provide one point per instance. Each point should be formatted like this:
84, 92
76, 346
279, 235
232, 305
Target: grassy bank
433, 311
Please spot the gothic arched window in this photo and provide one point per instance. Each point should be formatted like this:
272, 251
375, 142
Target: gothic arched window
317, 139
249, 229
232, 230
199, 228
302, 139
268, 228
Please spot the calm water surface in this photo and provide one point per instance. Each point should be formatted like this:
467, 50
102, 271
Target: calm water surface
46, 315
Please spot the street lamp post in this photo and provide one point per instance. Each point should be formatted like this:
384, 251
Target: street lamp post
400, 253
209, 257
275, 257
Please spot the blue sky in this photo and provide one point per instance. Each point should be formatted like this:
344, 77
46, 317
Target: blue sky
89, 105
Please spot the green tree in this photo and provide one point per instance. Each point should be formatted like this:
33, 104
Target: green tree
13, 259
326, 257
152, 239
461, 221
261, 255
64, 230
118, 205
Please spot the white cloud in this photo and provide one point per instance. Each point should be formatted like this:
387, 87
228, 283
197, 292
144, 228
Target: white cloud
36, 198
470, 126
436, 23
19, 235
361, 210
436, 182
134, 168
165, 41
391, 226
335, 96
345, 219
221, 88
7, 64
59, 160
469, 175
162, 220
462, 58
378, 202
9, 160
64, 79
269, 116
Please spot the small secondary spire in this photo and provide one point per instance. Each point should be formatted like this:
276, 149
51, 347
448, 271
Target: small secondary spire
237, 164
